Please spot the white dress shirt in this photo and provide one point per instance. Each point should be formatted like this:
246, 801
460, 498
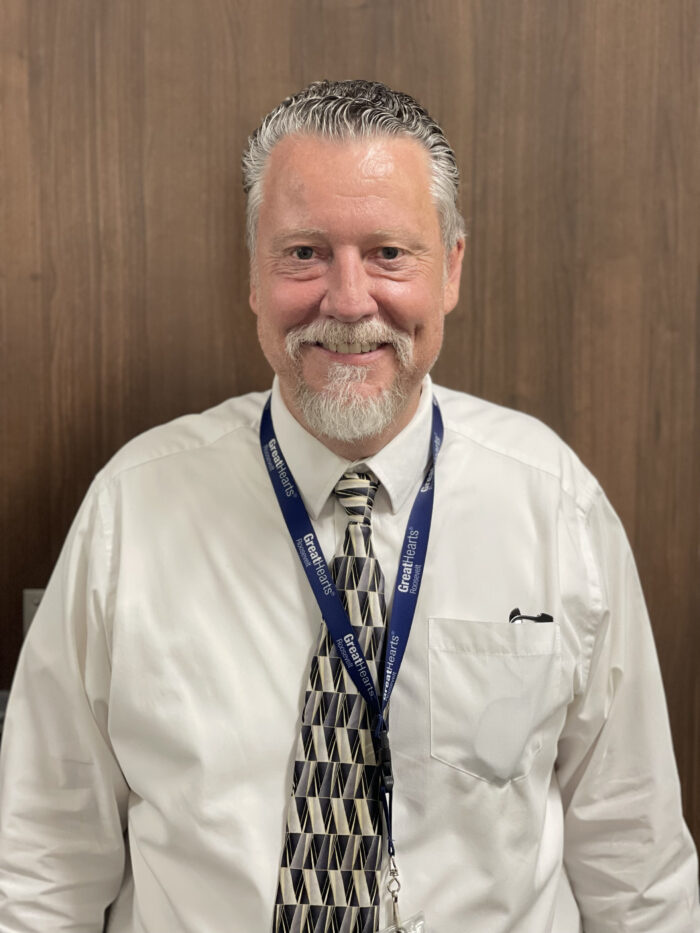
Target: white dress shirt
150, 733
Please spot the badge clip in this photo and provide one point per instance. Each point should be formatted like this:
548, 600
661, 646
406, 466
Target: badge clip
393, 887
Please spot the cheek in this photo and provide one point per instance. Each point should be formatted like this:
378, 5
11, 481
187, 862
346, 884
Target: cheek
415, 305
267, 335
429, 332
291, 301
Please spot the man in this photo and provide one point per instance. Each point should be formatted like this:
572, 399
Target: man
188, 743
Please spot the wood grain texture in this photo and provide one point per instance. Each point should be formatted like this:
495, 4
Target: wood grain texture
24, 433
123, 275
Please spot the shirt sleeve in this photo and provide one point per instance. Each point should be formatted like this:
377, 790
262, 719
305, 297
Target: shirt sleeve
62, 794
628, 853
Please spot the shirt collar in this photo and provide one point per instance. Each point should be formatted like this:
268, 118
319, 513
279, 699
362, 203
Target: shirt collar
316, 469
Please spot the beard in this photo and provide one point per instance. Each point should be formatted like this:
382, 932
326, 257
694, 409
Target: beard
339, 411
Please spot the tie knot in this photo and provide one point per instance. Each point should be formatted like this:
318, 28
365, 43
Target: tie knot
356, 492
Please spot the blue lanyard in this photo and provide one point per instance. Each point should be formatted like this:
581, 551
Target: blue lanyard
408, 580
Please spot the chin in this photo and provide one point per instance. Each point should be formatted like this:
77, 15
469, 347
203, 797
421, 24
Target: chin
347, 408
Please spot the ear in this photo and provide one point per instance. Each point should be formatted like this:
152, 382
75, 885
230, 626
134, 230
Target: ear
253, 293
454, 275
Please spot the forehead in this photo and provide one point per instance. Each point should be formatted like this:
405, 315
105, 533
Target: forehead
311, 178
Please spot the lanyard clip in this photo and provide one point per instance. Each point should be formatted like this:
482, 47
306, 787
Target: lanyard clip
393, 887
384, 762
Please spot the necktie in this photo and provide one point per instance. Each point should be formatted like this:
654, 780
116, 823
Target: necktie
331, 861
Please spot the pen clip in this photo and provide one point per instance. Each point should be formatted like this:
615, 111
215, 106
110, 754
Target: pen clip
516, 617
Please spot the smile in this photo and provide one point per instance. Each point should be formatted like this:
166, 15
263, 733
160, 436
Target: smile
349, 347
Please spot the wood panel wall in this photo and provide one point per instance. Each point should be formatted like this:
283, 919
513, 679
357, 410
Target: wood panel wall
123, 276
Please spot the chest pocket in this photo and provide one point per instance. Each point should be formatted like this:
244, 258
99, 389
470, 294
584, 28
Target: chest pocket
493, 689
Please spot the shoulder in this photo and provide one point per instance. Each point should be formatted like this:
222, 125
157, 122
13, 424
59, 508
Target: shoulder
235, 421
513, 442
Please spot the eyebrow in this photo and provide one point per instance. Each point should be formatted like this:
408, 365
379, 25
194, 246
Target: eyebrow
400, 233
286, 237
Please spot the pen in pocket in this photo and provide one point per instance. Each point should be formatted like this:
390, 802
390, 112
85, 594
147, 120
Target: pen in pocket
516, 617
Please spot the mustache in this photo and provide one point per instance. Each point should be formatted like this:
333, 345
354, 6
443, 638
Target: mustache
330, 331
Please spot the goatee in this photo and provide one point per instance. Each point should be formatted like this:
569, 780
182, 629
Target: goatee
339, 411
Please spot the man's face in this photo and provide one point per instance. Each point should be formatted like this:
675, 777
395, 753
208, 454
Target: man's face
348, 240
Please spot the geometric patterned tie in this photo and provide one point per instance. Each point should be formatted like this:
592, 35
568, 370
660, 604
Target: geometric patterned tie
331, 860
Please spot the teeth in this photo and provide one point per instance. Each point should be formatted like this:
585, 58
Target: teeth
350, 347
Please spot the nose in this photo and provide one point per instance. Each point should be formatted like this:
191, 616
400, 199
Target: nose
348, 294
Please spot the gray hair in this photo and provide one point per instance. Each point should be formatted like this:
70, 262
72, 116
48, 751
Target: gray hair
349, 110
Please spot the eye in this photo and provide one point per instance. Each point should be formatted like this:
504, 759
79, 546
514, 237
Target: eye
303, 252
390, 252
